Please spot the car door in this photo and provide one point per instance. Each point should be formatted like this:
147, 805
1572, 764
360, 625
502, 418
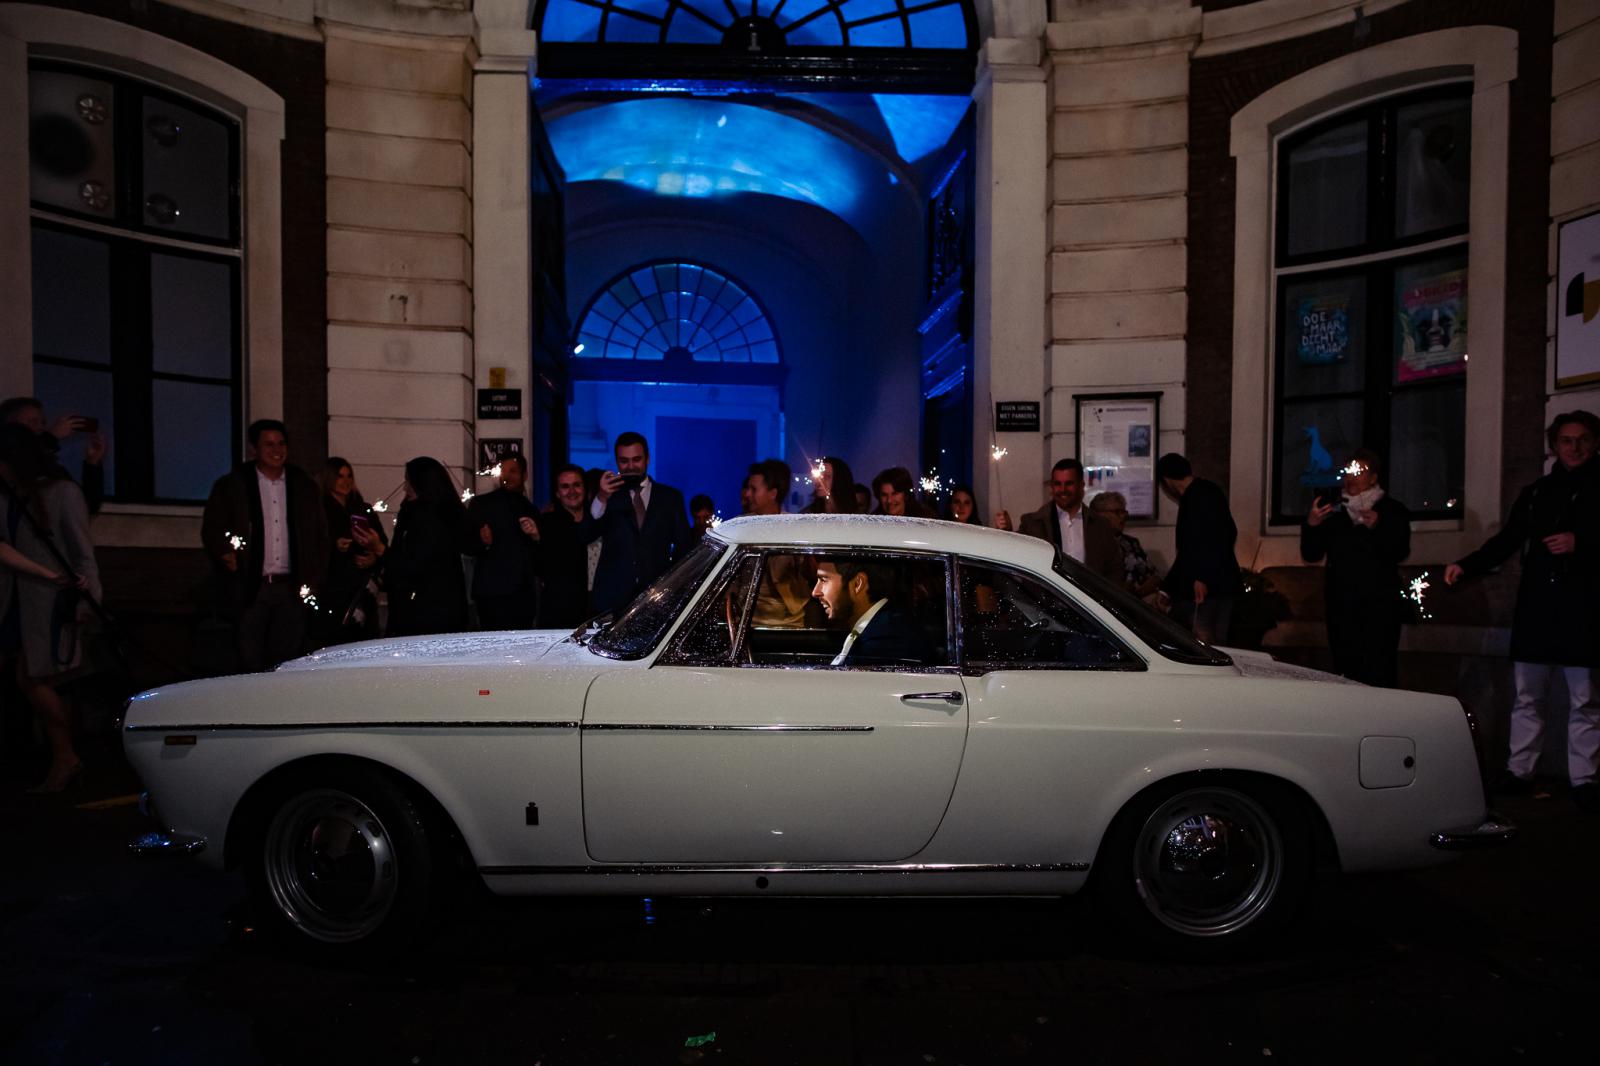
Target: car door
747, 745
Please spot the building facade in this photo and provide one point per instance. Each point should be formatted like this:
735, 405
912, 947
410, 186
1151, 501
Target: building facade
1266, 221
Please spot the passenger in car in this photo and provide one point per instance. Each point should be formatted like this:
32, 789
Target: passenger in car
855, 594
784, 593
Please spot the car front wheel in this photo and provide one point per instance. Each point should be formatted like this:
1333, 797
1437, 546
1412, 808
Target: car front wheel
1207, 868
345, 862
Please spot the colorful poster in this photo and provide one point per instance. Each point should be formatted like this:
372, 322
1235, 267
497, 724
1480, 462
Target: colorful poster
1433, 326
1324, 329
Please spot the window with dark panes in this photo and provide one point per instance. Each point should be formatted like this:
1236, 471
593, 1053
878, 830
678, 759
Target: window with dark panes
136, 276
1012, 622
1371, 276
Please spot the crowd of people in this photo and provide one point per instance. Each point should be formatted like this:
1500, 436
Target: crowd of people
305, 562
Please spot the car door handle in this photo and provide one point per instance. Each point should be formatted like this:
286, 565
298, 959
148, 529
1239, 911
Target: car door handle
948, 697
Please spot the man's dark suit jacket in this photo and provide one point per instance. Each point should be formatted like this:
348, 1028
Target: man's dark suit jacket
234, 507
631, 557
1101, 552
508, 566
1205, 536
893, 636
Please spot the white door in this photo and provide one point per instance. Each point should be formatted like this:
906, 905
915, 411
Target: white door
780, 758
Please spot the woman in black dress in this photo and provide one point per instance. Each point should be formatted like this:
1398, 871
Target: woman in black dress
350, 566
422, 566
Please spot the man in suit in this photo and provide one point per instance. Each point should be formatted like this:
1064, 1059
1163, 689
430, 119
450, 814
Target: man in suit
1073, 528
641, 525
503, 579
1204, 579
266, 532
855, 596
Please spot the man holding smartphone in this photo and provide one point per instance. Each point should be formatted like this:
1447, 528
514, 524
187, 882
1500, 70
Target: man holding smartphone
642, 526
29, 411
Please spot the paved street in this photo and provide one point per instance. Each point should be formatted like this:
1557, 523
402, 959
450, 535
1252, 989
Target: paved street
107, 960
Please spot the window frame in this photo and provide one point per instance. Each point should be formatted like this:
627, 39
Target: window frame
1377, 262
673, 654
1135, 663
131, 245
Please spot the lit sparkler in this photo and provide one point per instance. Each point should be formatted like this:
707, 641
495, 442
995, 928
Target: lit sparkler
819, 470
490, 471
1414, 592
379, 506
309, 598
235, 541
1354, 468
716, 519
467, 494
998, 453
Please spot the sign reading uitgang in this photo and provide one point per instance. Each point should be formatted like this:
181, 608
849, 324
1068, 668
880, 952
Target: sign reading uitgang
499, 403
1016, 416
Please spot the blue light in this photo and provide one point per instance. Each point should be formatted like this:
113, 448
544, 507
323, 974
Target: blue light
920, 124
703, 148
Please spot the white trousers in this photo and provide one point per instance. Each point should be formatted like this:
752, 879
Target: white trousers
1527, 720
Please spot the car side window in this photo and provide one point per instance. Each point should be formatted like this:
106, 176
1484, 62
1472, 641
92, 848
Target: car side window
1011, 621
849, 609
708, 640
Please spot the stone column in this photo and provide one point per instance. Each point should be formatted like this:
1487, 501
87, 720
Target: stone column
399, 253
1010, 300
502, 314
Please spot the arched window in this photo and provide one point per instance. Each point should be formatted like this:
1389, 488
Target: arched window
750, 26
676, 312
1371, 275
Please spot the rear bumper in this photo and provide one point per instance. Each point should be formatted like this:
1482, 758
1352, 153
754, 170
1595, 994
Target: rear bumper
1494, 830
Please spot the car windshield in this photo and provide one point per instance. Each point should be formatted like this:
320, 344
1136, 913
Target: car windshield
642, 623
1155, 629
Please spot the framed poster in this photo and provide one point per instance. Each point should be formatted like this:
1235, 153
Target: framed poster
1578, 301
1118, 440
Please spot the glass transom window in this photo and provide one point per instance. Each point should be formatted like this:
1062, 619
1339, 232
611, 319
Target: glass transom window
749, 25
676, 311
1372, 302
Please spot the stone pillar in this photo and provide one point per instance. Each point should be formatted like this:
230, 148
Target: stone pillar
399, 253
1011, 225
503, 313
1119, 170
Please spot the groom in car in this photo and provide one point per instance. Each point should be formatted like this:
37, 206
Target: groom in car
855, 595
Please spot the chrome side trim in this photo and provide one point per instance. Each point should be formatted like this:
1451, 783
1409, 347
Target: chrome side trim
280, 727
634, 870
670, 727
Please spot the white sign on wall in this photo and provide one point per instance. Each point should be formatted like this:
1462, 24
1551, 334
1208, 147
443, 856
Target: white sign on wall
1117, 441
1578, 302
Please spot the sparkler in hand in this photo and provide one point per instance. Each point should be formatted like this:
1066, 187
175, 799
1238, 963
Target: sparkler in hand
1414, 592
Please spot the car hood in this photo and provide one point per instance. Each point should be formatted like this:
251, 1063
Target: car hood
1260, 664
509, 648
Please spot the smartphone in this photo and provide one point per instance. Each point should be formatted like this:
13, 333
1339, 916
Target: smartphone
359, 523
90, 424
631, 481
1330, 497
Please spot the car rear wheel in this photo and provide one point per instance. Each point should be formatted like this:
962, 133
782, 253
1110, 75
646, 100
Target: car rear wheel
1207, 868
344, 862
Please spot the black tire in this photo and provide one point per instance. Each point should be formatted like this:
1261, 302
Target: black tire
344, 862
1203, 868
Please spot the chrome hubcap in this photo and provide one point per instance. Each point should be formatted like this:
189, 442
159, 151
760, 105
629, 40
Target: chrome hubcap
1208, 862
330, 866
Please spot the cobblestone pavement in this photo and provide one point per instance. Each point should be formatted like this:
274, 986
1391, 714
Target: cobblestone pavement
106, 960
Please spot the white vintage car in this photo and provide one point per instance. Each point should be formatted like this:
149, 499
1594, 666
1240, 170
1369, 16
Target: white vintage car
1026, 729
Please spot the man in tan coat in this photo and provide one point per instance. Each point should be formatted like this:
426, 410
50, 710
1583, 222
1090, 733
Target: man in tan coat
1070, 526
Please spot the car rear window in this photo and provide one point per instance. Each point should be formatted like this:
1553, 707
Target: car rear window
1161, 633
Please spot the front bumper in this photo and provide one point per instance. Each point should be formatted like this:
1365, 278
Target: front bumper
160, 843
1494, 830
163, 842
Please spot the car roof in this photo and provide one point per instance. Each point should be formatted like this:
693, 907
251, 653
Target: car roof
885, 531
